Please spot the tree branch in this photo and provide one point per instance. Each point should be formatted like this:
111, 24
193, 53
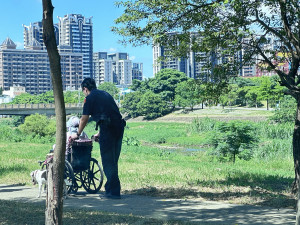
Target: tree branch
287, 26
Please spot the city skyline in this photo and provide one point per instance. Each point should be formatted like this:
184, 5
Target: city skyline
19, 12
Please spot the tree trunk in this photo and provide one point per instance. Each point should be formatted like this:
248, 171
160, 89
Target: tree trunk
54, 202
296, 149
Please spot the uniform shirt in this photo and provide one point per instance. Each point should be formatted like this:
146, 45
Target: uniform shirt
101, 106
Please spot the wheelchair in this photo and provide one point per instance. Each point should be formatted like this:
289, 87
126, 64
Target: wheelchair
81, 170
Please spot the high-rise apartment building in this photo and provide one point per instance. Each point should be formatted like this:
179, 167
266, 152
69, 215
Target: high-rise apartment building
102, 68
30, 68
137, 71
197, 64
122, 68
114, 67
76, 31
162, 60
34, 32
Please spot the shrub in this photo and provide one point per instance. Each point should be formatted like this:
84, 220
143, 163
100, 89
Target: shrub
199, 125
131, 141
234, 138
38, 125
286, 111
152, 106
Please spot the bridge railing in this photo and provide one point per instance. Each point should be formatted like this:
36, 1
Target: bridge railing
37, 106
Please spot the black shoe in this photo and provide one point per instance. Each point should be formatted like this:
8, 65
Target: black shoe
110, 196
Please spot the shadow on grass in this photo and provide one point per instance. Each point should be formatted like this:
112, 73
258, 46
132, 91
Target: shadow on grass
266, 182
254, 194
24, 213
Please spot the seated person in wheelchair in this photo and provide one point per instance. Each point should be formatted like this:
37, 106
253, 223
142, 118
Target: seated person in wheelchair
72, 127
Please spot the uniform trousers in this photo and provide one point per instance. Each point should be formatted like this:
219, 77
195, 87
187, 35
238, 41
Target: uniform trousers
110, 141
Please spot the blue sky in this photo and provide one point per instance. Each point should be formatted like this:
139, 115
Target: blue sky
14, 13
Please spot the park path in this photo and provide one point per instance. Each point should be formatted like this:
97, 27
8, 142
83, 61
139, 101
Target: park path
193, 210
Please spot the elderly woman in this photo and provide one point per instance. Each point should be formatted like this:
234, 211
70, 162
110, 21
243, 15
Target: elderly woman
72, 127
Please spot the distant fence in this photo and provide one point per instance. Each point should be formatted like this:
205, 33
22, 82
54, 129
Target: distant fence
28, 109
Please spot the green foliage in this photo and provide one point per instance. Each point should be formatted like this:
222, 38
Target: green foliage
152, 106
268, 130
24, 99
274, 149
165, 83
10, 135
130, 104
38, 125
110, 88
286, 112
187, 94
131, 141
219, 28
230, 98
242, 82
1, 91
47, 97
199, 125
234, 138
73, 96
252, 96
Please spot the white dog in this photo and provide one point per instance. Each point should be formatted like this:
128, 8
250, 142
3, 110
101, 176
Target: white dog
39, 177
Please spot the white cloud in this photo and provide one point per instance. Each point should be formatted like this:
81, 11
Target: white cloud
112, 50
19, 44
132, 57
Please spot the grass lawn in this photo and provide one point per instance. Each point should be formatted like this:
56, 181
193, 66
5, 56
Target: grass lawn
161, 167
164, 164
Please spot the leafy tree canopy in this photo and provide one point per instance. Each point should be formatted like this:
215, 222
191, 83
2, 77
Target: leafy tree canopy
223, 25
110, 88
165, 83
188, 94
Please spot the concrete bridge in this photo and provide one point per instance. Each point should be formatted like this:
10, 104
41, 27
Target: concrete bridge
28, 109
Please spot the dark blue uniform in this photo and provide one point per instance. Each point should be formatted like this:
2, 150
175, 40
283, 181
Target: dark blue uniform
103, 109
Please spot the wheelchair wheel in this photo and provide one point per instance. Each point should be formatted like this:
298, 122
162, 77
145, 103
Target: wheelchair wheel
69, 176
92, 178
77, 181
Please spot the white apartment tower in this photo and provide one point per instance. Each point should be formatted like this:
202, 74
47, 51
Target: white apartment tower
76, 31
122, 68
34, 32
115, 68
102, 68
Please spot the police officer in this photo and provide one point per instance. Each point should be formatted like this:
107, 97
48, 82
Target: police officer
102, 108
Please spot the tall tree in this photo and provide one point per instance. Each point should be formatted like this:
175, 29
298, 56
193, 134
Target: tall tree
54, 202
165, 83
110, 88
187, 94
224, 27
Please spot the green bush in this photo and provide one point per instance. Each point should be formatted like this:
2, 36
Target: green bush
10, 134
199, 125
152, 106
131, 141
38, 125
286, 112
234, 139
